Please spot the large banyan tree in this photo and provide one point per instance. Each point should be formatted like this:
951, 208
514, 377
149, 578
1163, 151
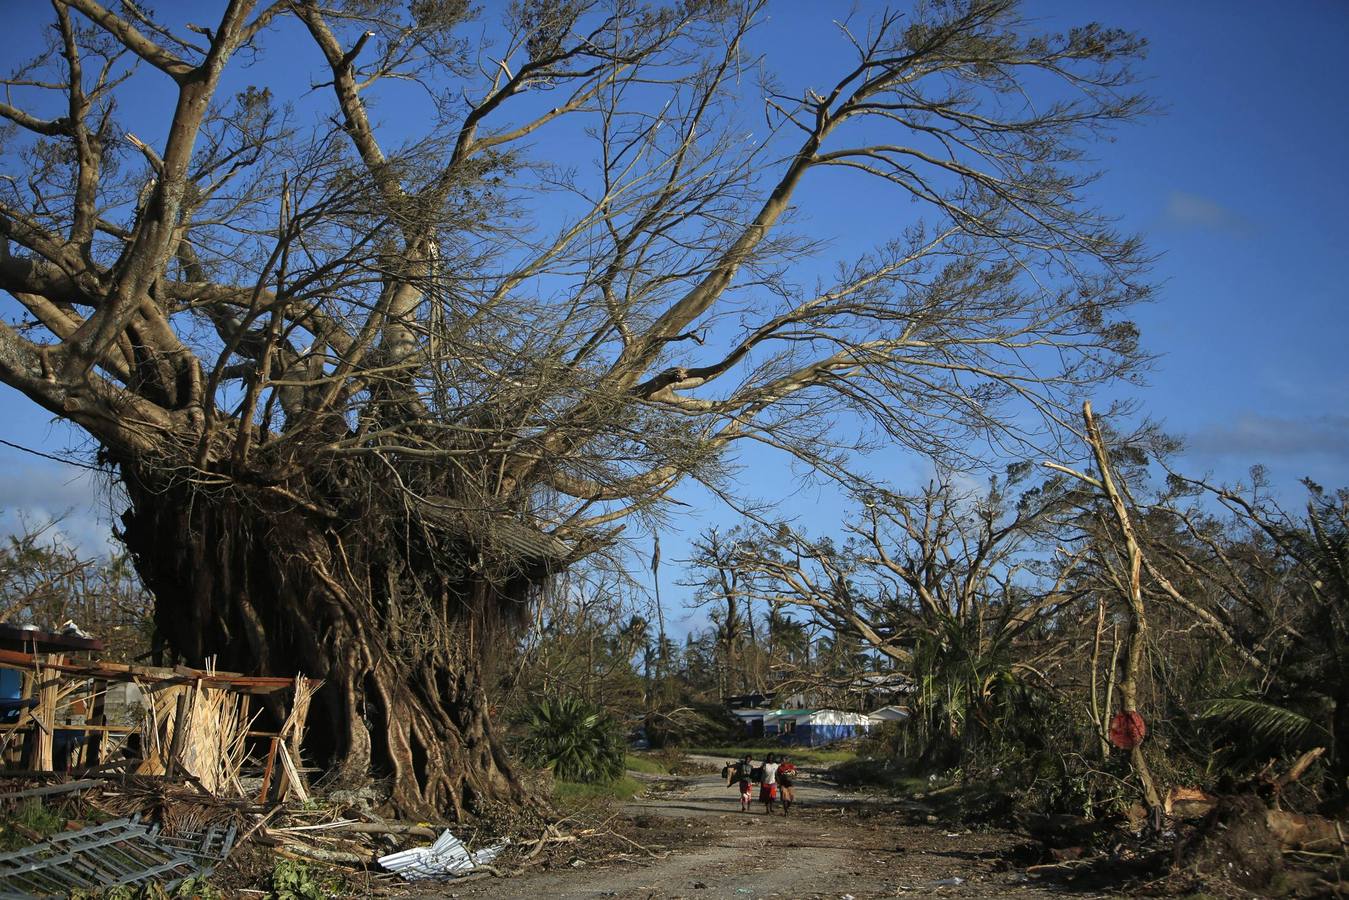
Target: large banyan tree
384, 312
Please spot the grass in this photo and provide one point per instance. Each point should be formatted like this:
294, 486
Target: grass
32, 818
808, 755
571, 794
645, 764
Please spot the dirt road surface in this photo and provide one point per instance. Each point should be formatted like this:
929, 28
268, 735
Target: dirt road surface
834, 845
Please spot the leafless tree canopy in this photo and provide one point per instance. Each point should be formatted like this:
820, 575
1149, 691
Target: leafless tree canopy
295, 303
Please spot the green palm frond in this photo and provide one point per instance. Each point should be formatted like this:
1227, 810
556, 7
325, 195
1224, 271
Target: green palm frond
576, 739
1266, 721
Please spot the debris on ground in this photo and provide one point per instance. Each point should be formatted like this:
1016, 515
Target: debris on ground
112, 854
446, 858
125, 775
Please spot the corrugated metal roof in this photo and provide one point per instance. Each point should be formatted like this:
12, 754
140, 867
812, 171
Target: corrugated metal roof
788, 712
889, 713
499, 533
443, 860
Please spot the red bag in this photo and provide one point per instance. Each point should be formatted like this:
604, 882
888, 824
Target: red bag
1127, 729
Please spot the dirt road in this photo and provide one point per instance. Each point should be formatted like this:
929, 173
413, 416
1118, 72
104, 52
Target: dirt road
707, 795
691, 841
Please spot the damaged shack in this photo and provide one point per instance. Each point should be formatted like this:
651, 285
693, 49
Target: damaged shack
176, 757
62, 709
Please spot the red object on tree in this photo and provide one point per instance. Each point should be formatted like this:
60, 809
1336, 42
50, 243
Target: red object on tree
1127, 729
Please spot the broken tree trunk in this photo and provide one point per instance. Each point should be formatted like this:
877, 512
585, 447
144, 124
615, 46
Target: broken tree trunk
1295, 831
1135, 638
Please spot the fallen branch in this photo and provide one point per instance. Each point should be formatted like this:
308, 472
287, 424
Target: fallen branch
353, 827
549, 836
305, 853
647, 850
1299, 832
1302, 764
1065, 866
261, 823
485, 871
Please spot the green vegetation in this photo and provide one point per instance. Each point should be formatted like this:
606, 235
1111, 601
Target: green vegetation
31, 822
189, 889
645, 764
292, 880
819, 756
571, 794
577, 740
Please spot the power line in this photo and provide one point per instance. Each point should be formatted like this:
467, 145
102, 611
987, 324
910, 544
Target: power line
78, 465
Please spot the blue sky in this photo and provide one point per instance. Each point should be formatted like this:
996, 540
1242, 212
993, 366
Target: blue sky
1238, 186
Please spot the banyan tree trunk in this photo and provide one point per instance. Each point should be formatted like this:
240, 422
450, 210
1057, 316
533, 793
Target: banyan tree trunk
398, 630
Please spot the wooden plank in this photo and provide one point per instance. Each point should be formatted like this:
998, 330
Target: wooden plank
63, 788
292, 775
267, 773
98, 729
27, 681
180, 726
97, 716
13, 659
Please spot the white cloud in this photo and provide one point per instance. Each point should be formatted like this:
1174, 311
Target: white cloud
1185, 210
39, 492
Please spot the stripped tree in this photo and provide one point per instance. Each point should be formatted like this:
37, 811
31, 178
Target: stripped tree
956, 590
368, 384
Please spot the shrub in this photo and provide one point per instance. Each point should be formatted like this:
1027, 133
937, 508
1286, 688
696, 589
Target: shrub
296, 881
692, 723
577, 740
35, 817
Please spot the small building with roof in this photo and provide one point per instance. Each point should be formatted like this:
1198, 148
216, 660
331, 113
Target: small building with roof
813, 727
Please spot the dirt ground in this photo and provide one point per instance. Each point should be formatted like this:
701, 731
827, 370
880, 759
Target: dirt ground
690, 840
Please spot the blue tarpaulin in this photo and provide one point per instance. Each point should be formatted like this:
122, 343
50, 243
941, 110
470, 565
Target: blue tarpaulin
811, 728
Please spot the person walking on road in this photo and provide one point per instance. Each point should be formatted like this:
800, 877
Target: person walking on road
742, 773
786, 776
768, 788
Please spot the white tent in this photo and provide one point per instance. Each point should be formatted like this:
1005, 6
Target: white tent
889, 714
821, 726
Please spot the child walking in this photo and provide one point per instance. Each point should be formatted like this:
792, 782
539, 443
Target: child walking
768, 790
786, 776
742, 773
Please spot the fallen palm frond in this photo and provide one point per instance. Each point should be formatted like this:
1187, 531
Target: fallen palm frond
293, 728
177, 807
157, 728
213, 746
292, 733
1265, 721
200, 730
